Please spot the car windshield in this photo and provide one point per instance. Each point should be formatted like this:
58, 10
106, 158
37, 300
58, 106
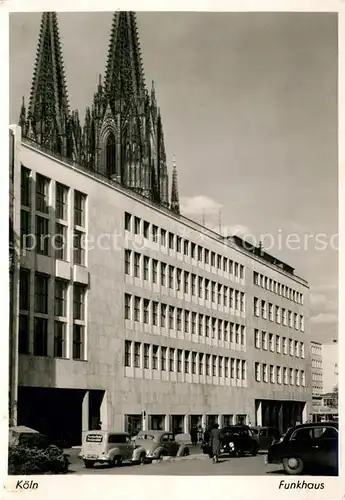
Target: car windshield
148, 437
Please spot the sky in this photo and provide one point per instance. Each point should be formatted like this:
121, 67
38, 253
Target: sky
249, 107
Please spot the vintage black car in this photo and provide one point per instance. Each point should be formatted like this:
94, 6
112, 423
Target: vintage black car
244, 441
306, 446
266, 436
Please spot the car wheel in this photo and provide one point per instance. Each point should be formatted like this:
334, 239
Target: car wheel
89, 464
161, 455
293, 465
142, 459
117, 461
186, 452
254, 451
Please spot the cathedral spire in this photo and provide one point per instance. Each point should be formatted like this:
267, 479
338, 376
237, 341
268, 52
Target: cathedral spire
124, 78
48, 110
175, 201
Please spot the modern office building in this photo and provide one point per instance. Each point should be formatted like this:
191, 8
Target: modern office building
330, 368
129, 313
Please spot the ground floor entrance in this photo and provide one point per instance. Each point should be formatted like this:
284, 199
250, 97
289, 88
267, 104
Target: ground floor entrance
61, 414
279, 414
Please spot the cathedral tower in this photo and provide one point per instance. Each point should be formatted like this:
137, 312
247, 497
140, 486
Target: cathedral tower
122, 136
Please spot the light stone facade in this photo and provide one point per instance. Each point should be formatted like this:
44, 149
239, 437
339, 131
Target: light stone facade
252, 357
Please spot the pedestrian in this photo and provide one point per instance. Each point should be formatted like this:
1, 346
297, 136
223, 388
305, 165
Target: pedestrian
215, 442
194, 435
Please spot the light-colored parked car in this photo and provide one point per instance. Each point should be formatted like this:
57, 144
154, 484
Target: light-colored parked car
154, 445
106, 447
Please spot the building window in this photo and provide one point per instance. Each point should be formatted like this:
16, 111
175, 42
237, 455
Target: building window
271, 342
272, 379
146, 311
128, 300
186, 361
163, 237
302, 323
285, 345
42, 235
193, 363
214, 366
163, 358
201, 363
286, 381
136, 308
277, 314
79, 209
213, 259
296, 325
155, 313
290, 319
25, 229
137, 224
178, 244
146, 268
264, 309
296, 348
265, 372
179, 360
219, 297
208, 359
171, 241
146, 229
256, 307
186, 282
163, 274
243, 369
41, 293
154, 233
146, 356
60, 298
226, 367
199, 253
242, 301
42, 194
163, 315
186, 321
297, 378
207, 326
128, 254
193, 322
185, 247
171, 317
302, 350
232, 368
59, 339
25, 187
171, 277
40, 337
154, 270
60, 242
237, 300
278, 348
61, 198
171, 359
302, 378
128, 346
79, 302
207, 256
128, 225
24, 290
279, 375
179, 320
201, 324
264, 341
226, 330
137, 258
257, 372
137, 354
292, 373
23, 341
220, 329
79, 248
291, 347
193, 284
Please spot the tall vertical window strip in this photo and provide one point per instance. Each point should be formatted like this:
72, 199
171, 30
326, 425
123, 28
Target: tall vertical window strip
42, 236
24, 296
40, 337
128, 222
60, 298
79, 302
60, 242
79, 248
41, 293
25, 229
59, 339
24, 287
128, 345
79, 209
42, 194
61, 197
78, 342
25, 187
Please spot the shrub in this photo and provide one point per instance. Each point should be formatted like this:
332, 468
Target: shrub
25, 460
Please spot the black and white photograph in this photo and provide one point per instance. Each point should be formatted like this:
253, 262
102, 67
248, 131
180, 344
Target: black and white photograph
173, 245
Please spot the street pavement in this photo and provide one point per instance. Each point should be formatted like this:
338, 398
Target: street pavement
195, 464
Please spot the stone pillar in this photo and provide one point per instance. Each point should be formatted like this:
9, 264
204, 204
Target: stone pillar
85, 414
167, 423
203, 421
104, 412
258, 413
220, 421
186, 424
144, 421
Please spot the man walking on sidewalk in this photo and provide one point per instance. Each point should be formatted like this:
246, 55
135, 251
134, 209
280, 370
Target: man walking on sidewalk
215, 441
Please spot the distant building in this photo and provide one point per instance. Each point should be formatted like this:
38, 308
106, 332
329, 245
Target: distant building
330, 366
316, 372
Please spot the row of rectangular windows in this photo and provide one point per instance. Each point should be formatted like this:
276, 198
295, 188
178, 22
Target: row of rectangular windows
163, 358
278, 288
40, 307
184, 246
266, 310
280, 345
279, 375
147, 269
316, 363
160, 314
317, 376
43, 241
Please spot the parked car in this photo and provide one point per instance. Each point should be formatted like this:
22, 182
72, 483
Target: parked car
25, 436
153, 445
106, 447
266, 436
244, 441
305, 446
